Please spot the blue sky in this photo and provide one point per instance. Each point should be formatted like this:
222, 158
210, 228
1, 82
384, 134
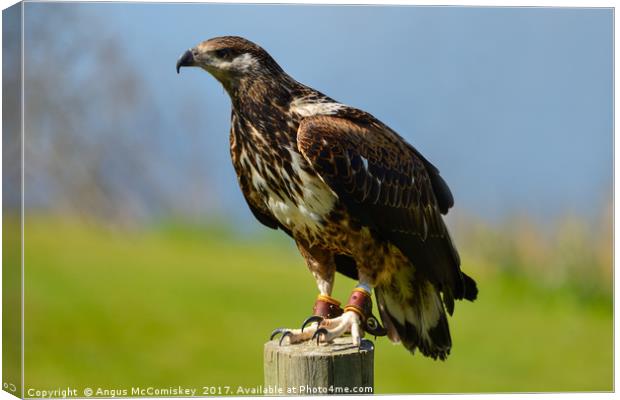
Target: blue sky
513, 105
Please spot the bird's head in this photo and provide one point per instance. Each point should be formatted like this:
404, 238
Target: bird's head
230, 59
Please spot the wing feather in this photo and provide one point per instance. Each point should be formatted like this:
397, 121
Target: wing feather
386, 183
251, 196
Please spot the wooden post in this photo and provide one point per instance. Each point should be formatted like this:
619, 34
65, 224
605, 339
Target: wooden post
305, 368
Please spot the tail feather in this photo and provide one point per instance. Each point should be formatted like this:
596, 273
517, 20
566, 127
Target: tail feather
471, 289
418, 321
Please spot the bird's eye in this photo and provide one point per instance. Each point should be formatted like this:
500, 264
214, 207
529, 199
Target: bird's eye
223, 53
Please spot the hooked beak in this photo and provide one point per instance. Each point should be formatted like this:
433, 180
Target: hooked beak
186, 60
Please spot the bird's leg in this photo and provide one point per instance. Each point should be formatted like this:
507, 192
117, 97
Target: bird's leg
321, 264
325, 306
351, 321
356, 319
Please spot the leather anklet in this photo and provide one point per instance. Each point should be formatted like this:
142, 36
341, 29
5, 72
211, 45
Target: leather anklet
327, 307
360, 302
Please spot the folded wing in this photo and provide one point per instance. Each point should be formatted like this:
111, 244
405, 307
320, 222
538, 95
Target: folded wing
391, 188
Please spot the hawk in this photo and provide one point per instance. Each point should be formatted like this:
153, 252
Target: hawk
354, 195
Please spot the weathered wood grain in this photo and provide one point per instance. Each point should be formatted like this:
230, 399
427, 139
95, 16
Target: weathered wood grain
335, 368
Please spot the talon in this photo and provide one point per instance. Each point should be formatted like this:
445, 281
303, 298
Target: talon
309, 320
276, 332
285, 334
317, 335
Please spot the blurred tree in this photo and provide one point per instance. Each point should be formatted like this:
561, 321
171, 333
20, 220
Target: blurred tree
91, 125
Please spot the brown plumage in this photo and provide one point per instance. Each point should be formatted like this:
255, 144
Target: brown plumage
353, 194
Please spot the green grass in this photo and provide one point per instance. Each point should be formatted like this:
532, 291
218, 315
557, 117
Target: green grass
187, 307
